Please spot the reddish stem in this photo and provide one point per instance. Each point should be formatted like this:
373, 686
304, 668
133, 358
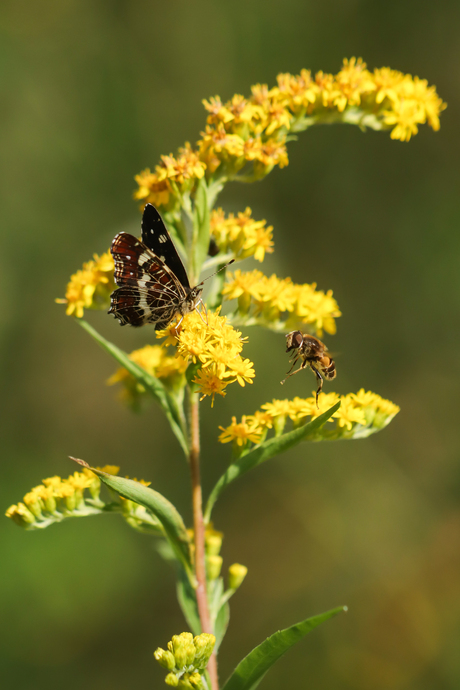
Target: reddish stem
199, 532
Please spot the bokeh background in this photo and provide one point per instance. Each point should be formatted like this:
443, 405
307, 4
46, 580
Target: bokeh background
93, 92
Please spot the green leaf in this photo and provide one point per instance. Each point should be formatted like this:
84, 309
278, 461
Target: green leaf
163, 510
221, 624
201, 226
153, 386
255, 665
186, 597
266, 450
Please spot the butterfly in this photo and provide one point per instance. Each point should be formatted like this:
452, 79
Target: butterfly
153, 282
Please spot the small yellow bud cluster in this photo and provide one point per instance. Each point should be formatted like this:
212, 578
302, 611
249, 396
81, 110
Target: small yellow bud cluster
359, 415
280, 304
186, 659
90, 287
213, 346
57, 498
242, 235
157, 362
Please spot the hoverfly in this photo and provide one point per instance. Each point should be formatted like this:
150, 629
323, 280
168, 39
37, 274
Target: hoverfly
313, 354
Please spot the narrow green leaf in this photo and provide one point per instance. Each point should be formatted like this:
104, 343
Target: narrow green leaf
255, 665
266, 450
186, 597
201, 225
221, 624
153, 386
163, 510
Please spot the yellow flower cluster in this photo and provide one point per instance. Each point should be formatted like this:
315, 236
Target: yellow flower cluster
241, 235
157, 362
359, 414
186, 659
56, 498
253, 131
214, 347
172, 177
279, 303
90, 287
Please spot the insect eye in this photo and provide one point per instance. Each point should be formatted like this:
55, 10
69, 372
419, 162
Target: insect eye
297, 339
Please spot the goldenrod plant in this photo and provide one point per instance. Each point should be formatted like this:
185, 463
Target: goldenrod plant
195, 359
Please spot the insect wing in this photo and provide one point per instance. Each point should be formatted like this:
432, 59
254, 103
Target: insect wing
156, 237
149, 292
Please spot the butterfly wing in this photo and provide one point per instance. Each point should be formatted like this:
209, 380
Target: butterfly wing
149, 291
156, 237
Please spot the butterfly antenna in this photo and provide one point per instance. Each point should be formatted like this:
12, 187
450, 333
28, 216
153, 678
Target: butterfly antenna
216, 272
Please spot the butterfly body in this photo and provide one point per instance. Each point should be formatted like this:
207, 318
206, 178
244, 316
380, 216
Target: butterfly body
153, 283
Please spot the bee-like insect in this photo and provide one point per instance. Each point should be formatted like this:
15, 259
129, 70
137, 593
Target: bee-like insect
313, 354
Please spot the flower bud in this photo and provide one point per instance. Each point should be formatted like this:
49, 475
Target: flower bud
50, 503
184, 683
236, 575
34, 504
204, 646
213, 566
196, 681
183, 649
172, 680
278, 424
165, 658
21, 515
213, 543
244, 303
71, 502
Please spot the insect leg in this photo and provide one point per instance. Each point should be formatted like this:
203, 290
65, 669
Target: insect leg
301, 368
320, 379
200, 301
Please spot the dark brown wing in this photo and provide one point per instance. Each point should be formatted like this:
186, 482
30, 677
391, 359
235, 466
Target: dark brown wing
149, 291
156, 237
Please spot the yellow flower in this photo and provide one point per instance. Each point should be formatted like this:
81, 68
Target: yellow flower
153, 188
328, 89
266, 154
359, 415
218, 112
277, 408
215, 345
157, 362
217, 145
171, 173
315, 307
278, 294
348, 414
90, 287
242, 235
263, 420
353, 80
242, 283
241, 369
406, 115
267, 299
210, 384
241, 432
300, 92
386, 81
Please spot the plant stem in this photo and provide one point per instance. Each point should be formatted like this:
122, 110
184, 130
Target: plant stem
199, 531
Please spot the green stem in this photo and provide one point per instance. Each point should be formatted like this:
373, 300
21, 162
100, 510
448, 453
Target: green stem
199, 531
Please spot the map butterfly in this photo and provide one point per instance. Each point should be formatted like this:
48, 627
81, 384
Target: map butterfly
153, 283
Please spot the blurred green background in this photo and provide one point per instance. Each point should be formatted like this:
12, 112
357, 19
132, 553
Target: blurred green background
93, 92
